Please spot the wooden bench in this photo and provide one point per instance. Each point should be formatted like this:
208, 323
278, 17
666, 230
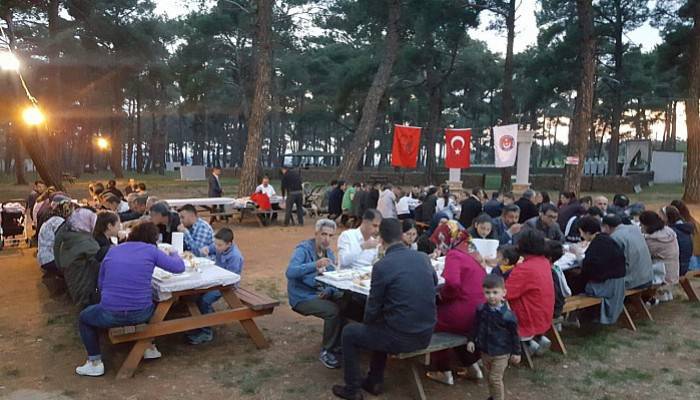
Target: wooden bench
244, 306
422, 227
687, 285
633, 301
438, 342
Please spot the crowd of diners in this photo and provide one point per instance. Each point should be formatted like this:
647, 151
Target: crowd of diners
502, 305
103, 249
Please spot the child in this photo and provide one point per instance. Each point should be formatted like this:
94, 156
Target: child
227, 256
507, 257
496, 335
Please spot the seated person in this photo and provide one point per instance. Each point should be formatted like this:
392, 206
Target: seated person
603, 270
107, 226
507, 257
506, 226
572, 233
359, 247
130, 187
141, 189
311, 258
167, 221
75, 251
410, 233
482, 228
265, 187
227, 256
137, 207
127, 295
546, 223
112, 188
639, 272
62, 208
530, 289
198, 233
459, 299
399, 316
114, 203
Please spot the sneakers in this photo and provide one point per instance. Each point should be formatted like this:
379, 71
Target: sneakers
666, 296
474, 372
91, 368
532, 346
329, 359
200, 337
544, 345
653, 302
151, 353
444, 377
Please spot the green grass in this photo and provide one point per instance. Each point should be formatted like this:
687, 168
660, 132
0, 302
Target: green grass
537, 377
248, 376
611, 376
270, 287
677, 382
693, 344
60, 319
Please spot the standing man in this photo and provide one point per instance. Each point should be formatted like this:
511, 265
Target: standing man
387, 202
294, 195
215, 190
471, 207
528, 209
198, 233
311, 258
359, 247
399, 316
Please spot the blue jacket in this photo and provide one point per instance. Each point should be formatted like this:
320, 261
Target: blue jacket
231, 259
301, 273
501, 231
496, 331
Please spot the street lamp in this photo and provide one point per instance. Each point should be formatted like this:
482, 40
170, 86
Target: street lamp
8, 61
102, 143
33, 116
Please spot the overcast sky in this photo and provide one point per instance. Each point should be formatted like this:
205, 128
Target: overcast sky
526, 26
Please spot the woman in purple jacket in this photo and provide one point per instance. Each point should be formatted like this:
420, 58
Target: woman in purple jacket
125, 286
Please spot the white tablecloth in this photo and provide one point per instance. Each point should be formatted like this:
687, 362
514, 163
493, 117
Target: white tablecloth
202, 201
347, 284
210, 275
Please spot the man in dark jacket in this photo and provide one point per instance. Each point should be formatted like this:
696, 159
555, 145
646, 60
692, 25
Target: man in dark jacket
167, 221
471, 207
506, 226
293, 192
215, 190
546, 223
570, 207
528, 209
335, 200
494, 206
399, 316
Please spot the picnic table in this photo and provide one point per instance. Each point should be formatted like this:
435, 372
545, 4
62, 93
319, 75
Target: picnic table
346, 279
244, 207
244, 305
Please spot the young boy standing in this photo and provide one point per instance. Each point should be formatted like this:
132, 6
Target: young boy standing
227, 256
496, 335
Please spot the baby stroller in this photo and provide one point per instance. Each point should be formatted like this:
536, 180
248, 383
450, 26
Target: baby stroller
12, 225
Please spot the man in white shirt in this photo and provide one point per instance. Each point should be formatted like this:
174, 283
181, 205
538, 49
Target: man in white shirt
359, 247
387, 201
265, 187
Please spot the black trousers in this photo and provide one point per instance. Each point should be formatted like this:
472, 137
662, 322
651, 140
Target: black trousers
294, 198
381, 341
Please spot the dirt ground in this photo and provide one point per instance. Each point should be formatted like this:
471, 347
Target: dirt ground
40, 347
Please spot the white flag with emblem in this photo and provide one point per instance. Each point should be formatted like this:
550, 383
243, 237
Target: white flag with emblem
505, 139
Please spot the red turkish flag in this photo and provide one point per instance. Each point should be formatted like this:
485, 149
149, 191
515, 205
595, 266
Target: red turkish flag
404, 152
458, 147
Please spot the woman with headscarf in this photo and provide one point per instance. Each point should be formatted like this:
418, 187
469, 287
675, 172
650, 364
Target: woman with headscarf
62, 208
76, 249
663, 246
460, 296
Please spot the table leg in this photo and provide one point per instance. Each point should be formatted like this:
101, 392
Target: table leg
136, 354
248, 324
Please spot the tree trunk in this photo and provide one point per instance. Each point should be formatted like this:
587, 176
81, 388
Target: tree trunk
507, 94
19, 162
583, 108
674, 106
617, 110
138, 141
692, 111
356, 148
261, 98
432, 130
115, 123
